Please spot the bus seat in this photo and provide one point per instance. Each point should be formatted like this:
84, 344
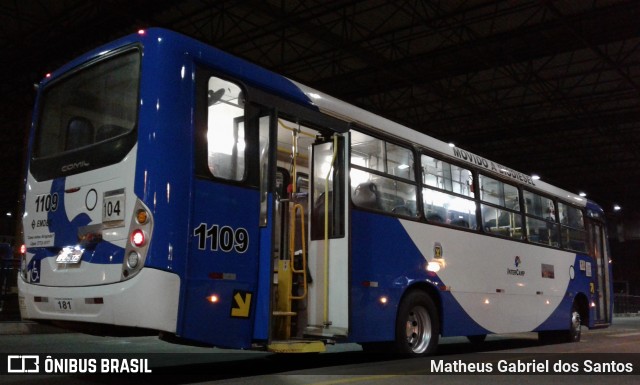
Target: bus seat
434, 217
317, 227
107, 131
403, 210
79, 133
366, 195
489, 225
460, 222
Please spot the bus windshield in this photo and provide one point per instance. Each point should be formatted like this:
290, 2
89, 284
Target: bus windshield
91, 106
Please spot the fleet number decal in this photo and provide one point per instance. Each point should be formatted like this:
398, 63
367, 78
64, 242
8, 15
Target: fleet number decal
47, 202
223, 238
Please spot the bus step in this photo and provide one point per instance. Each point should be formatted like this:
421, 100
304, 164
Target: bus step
296, 346
325, 332
284, 313
601, 325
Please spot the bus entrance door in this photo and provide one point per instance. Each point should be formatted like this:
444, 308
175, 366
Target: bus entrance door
310, 304
328, 303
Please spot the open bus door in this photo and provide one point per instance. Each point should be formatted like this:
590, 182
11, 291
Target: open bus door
310, 304
328, 306
602, 289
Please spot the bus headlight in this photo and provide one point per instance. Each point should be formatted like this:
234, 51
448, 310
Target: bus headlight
433, 267
436, 265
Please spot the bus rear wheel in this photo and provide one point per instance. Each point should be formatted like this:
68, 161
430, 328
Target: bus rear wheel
417, 325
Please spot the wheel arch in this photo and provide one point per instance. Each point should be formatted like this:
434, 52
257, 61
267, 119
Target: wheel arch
582, 304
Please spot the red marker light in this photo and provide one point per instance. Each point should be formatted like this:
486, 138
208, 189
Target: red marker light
23, 249
47, 75
137, 238
141, 32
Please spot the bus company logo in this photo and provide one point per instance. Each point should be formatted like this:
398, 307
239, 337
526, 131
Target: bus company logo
75, 166
40, 223
517, 272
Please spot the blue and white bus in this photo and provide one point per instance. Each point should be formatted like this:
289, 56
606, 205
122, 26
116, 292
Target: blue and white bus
174, 188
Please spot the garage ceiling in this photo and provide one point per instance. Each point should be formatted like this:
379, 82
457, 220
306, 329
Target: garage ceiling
545, 87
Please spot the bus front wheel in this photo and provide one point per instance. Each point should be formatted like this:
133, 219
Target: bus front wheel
574, 332
417, 325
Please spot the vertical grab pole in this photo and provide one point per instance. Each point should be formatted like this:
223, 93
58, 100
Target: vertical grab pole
326, 233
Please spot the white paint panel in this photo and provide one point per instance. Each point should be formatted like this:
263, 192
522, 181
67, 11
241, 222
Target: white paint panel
477, 270
149, 300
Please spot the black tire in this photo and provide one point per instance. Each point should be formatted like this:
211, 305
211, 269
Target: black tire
575, 332
417, 325
572, 334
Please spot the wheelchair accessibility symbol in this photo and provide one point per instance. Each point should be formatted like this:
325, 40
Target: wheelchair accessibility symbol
35, 272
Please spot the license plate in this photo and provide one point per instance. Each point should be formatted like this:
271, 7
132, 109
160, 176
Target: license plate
63, 305
70, 255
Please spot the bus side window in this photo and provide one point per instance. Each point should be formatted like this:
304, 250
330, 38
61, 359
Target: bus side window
541, 219
447, 193
382, 176
225, 130
574, 235
500, 208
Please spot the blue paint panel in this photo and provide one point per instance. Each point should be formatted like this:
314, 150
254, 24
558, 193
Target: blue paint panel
165, 156
263, 301
66, 231
456, 321
383, 252
218, 271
